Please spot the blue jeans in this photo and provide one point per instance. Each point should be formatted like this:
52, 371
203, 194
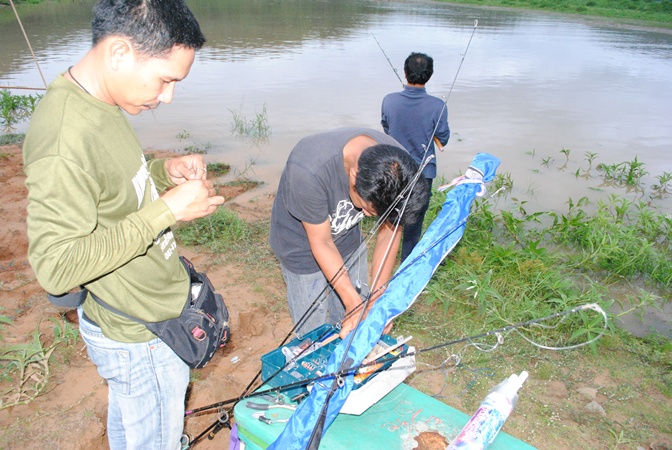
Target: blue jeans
413, 231
302, 290
147, 384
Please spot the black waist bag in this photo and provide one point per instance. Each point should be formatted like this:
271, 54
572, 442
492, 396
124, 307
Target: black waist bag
194, 336
203, 326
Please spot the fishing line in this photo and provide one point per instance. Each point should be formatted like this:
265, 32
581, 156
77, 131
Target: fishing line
405, 195
444, 109
462, 60
438, 241
499, 333
346, 362
388, 60
344, 269
246, 393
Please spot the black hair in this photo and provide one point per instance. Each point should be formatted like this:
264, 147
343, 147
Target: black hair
418, 68
383, 172
153, 26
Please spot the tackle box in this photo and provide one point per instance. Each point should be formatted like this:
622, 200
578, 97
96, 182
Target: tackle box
316, 347
401, 420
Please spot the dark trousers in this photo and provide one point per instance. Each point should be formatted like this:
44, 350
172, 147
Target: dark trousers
413, 231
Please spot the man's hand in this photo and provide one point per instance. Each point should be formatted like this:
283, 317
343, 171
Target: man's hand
185, 168
192, 199
349, 321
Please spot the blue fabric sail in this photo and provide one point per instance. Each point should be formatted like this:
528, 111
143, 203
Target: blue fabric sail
406, 285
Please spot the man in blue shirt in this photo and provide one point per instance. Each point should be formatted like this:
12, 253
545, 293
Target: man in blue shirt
417, 120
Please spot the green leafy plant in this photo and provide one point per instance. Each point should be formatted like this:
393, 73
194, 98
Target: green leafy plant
183, 135
221, 230
16, 108
256, 128
12, 138
27, 366
628, 173
196, 149
249, 167
218, 169
664, 186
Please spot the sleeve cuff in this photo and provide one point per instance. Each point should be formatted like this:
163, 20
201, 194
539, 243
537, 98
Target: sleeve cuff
157, 216
157, 170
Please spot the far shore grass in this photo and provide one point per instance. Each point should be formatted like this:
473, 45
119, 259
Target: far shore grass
653, 13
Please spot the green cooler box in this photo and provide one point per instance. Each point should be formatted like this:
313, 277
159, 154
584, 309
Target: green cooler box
398, 421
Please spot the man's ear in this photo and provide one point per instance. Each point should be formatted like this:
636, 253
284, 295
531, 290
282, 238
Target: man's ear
120, 53
352, 175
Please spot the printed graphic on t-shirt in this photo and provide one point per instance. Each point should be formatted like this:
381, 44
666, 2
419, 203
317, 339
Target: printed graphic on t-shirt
167, 242
345, 217
140, 182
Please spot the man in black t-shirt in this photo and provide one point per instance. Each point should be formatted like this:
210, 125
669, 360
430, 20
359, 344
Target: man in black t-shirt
330, 182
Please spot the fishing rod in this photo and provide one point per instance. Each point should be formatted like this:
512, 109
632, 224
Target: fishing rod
30, 47
499, 333
462, 60
388, 60
397, 274
445, 101
217, 425
404, 195
435, 243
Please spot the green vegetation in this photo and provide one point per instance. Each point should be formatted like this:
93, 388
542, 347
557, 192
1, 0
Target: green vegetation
218, 232
245, 184
16, 108
218, 169
26, 367
512, 265
658, 12
195, 148
12, 138
256, 128
515, 265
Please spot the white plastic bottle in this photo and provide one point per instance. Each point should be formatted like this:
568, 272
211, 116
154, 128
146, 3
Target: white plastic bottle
482, 428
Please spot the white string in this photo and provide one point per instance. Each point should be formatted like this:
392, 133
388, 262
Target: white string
456, 358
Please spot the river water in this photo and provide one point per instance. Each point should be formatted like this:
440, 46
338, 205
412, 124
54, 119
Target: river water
540, 91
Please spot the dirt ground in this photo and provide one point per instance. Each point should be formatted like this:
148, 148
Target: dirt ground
72, 412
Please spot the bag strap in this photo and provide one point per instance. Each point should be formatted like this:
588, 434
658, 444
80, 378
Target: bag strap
74, 299
115, 310
69, 300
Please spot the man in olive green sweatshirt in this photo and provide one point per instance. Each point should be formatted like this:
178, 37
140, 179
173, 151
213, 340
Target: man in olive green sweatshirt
96, 217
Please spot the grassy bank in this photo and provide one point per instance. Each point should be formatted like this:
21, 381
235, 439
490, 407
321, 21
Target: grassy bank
654, 12
515, 265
